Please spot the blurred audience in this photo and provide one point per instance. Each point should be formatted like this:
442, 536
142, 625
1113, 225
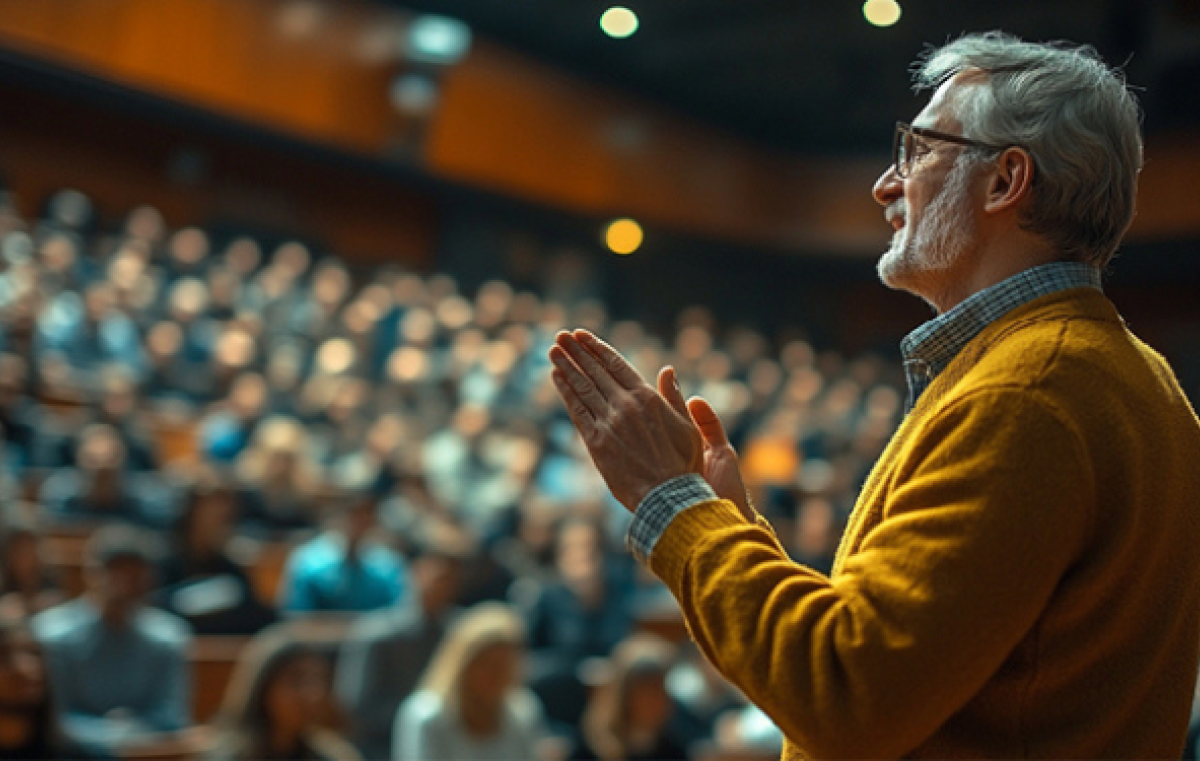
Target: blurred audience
118, 668
280, 705
701, 696
89, 333
386, 652
199, 580
228, 429
280, 477
18, 414
27, 585
29, 725
628, 716
582, 613
118, 407
346, 567
470, 702
101, 488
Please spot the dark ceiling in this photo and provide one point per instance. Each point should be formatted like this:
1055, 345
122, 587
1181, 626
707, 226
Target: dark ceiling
813, 77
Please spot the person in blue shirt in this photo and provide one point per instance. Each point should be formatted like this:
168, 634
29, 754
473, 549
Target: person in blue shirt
345, 568
118, 668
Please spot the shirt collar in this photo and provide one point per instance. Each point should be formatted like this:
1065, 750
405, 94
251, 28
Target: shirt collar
929, 349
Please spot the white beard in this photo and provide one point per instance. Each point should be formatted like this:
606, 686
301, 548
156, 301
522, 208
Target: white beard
915, 259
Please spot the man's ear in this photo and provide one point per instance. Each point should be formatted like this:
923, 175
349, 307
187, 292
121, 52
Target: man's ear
1011, 182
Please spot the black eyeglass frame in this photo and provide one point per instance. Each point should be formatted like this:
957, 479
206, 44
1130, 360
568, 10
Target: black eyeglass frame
902, 147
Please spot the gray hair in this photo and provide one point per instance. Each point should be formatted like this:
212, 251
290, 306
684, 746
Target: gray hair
1072, 113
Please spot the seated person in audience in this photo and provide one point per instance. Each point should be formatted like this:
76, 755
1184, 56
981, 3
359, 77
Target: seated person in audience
628, 716
68, 211
199, 581
583, 614
26, 586
187, 254
279, 704
226, 431
18, 413
345, 568
242, 257
118, 407
279, 476
470, 704
101, 489
165, 377
118, 668
29, 727
701, 695
89, 332
386, 651
61, 268
284, 374
187, 307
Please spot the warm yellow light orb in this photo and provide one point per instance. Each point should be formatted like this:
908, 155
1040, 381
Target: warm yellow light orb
619, 22
623, 236
881, 12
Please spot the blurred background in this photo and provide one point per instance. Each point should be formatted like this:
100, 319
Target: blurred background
278, 277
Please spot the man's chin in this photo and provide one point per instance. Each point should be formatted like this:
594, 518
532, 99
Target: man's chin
890, 268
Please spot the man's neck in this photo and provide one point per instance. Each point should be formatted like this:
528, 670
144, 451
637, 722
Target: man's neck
995, 260
114, 615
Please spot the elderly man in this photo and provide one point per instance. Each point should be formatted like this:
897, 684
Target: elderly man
1019, 576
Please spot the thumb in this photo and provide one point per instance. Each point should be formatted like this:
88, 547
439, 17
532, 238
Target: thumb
708, 422
668, 387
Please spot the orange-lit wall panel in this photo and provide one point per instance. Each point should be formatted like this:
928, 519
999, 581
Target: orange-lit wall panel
304, 67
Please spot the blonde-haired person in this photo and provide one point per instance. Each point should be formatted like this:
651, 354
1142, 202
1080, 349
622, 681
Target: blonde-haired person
280, 704
470, 703
626, 718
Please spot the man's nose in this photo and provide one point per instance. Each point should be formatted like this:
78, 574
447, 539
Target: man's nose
888, 187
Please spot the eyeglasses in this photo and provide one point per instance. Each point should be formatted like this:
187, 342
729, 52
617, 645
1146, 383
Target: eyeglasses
906, 148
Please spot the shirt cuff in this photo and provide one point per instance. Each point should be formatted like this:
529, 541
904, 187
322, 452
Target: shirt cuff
660, 507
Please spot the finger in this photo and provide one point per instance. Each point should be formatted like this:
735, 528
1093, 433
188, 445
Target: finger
611, 359
579, 383
708, 422
589, 365
581, 417
668, 387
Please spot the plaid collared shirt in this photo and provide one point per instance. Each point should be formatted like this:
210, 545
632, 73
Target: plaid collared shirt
926, 352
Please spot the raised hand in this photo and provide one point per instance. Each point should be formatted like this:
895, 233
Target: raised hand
636, 438
720, 460
721, 468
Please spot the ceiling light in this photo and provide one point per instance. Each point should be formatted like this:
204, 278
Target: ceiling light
438, 40
623, 236
881, 12
618, 22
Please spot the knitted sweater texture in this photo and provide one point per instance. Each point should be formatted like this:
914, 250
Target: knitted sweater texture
1020, 576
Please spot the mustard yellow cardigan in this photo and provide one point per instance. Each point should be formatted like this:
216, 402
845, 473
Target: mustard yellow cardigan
1020, 576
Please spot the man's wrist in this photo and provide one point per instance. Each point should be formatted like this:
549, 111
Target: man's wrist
660, 506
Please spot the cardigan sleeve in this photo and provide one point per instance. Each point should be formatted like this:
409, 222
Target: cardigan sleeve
988, 506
